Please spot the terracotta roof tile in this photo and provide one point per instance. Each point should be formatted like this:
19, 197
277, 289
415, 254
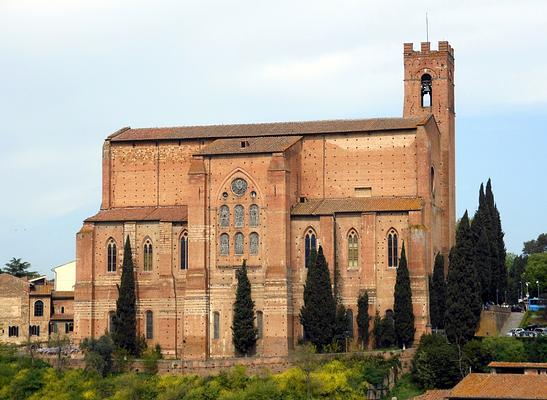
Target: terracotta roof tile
175, 213
267, 129
356, 204
501, 386
275, 144
433, 395
500, 364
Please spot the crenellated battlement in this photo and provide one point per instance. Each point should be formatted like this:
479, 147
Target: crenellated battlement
425, 48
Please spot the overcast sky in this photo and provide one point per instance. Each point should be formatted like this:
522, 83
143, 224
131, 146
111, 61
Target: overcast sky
74, 71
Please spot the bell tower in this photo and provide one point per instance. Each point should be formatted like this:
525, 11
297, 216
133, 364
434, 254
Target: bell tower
429, 89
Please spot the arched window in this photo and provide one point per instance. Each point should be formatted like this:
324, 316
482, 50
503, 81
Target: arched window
426, 90
62, 310
111, 316
349, 315
238, 244
111, 256
239, 216
310, 242
432, 181
253, 243
184, 250
392, 249
254, 215
224, 244
149, 324
224, 216
353, 250
39, 308
259, 325
216, 325
148, 259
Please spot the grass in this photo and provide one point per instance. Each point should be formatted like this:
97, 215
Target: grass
405, 388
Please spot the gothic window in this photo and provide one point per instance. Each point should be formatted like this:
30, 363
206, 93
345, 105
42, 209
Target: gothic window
432, 181
310, 242
259, 325
392, 249
184, 250
38, 308
148, 255
216, 325
149, 325
111, 256
224, 216
111, 316
224, 244
353, 250
238, 244
426, 90
239, 186
239, 216
349, 315
253, 243
253, 215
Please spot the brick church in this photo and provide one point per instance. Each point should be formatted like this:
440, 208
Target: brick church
195, 201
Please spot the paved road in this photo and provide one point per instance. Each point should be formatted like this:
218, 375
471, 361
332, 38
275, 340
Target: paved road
513, 321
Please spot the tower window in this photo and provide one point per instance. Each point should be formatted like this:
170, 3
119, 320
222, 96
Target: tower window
432, 181
149, 325
224, 244
148, 255
310, 242
184, 250
426, 90
216, 325
353, 250
392, 249
259, 325
111, 256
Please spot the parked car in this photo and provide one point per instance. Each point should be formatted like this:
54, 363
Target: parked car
515, 332
527, 334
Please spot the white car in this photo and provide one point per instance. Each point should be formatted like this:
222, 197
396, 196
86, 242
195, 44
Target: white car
515, 332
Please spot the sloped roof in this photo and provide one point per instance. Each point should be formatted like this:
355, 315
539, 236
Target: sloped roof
267, 129
358, 204
527, 365
433, 395
171, 214
274, 144
501, 386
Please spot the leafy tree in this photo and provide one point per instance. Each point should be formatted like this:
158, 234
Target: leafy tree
402, 307
437, 294
515, 279
98, 354
536, 271
243, 329
124, 332
363, 319
504, 349
538, 245
477, 356
319, 311
19, 268
435, 365
463, 305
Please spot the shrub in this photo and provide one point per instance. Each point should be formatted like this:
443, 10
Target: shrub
504, 349
150, 360
435, 365
98, 354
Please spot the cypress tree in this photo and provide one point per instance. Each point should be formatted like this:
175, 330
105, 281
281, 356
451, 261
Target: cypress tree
243, 328
319, 311
363, 319
437, 294
463, 304
377, 330
341, 325
483, 251
497, 240
402, 308
388, 337
124, 332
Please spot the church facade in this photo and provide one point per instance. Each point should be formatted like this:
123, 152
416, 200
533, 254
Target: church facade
196, 201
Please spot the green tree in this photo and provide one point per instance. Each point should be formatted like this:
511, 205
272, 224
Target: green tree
515, 281
437, 294
98, 354
435, 365
124, 332
19, 268
341, 327
377, 330
536, 271
538, 245
497, 243
363, 319
319, 311
388, 336
463, 304
243, 328
402, 306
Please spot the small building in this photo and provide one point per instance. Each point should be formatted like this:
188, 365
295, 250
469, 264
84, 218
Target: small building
519, 368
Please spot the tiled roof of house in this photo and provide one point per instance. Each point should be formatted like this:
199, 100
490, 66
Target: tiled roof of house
267, 129
528, 365
358, 204
433, 395
501, 386
171, 214
274, 144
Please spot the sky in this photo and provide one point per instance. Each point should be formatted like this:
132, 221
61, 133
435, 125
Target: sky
74, 71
